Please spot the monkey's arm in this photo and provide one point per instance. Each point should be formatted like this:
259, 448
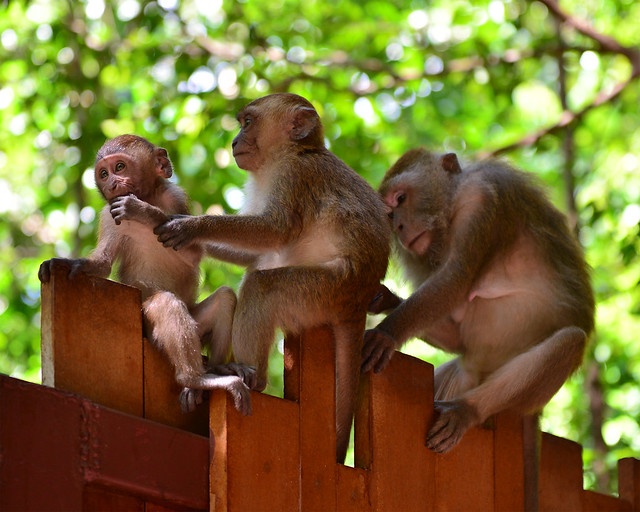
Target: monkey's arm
229, 255
99, 261
244, 232
436, 298
385, 300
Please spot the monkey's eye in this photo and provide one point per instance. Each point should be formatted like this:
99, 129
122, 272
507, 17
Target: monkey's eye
246, 121
119, 166
104, 174
401, 198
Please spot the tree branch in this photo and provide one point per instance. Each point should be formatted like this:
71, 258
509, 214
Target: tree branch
567, 118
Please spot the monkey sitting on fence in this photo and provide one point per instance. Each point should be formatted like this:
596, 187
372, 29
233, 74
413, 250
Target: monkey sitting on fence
499, 279
315, 236
132, 175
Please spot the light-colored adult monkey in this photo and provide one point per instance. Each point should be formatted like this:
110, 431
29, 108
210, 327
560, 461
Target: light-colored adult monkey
316, 236
499, 279
131, 174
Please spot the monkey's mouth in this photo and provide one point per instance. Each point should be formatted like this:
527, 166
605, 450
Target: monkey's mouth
419, 244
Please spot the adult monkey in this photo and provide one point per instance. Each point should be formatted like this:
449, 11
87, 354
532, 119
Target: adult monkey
316, 238
131, 174
499, 279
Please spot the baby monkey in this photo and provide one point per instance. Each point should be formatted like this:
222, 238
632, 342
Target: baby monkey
132, 175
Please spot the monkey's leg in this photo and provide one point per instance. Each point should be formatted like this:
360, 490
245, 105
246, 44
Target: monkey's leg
171, 328
525, 384
214, 318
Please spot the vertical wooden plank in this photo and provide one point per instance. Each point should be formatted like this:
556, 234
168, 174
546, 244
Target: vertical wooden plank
255, 462
401, 409
40, 462
92, 331
596, 502
161, 393
218, 451
629, 481
560, 485
508, 462
464, 475
317, 421
352, 489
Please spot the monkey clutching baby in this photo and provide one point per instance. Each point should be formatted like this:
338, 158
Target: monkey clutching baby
131, 173
313, 234
499, 279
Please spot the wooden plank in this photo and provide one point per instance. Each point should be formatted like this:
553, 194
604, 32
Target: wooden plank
352, 489
401, 410
317, 421
40, 466
309, 378
596, 502
65, 447
255, 459
560, 485
508, 462
464, 476
91, 332
629, 481
161, 393
135, 457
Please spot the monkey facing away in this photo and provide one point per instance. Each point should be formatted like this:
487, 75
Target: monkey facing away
131, 174
499, 279
314, 236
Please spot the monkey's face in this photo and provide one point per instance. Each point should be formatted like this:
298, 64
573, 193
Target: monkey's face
121, 174
412, 227
417, 192
273, 126
246, 145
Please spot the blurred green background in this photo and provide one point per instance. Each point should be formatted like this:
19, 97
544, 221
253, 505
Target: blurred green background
385, 76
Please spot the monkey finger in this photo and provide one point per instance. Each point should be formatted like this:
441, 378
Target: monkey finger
384, 360
371, 360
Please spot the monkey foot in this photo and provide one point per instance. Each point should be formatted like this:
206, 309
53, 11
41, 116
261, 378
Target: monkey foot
246, 373
190, 398
453, 419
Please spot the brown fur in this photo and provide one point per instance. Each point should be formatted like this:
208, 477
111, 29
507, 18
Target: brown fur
499, 278
316, 236
131, 174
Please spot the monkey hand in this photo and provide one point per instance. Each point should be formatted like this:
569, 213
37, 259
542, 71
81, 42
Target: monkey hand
384, 300
178, 232
454, 418
377, 350
125, 208
75, 267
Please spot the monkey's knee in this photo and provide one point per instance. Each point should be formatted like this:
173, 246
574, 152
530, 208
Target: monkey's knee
226, 296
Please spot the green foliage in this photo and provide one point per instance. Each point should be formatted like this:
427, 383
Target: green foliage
385, 76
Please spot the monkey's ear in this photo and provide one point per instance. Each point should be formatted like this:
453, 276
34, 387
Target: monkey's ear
163, 163
304, 121
450, 163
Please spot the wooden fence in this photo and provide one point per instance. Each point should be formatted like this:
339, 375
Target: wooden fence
282, 457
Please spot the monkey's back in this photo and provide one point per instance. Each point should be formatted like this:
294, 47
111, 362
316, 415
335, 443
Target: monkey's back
523, 207
321, 191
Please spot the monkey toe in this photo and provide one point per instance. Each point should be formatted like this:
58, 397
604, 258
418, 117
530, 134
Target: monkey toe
189, 399
454, 418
